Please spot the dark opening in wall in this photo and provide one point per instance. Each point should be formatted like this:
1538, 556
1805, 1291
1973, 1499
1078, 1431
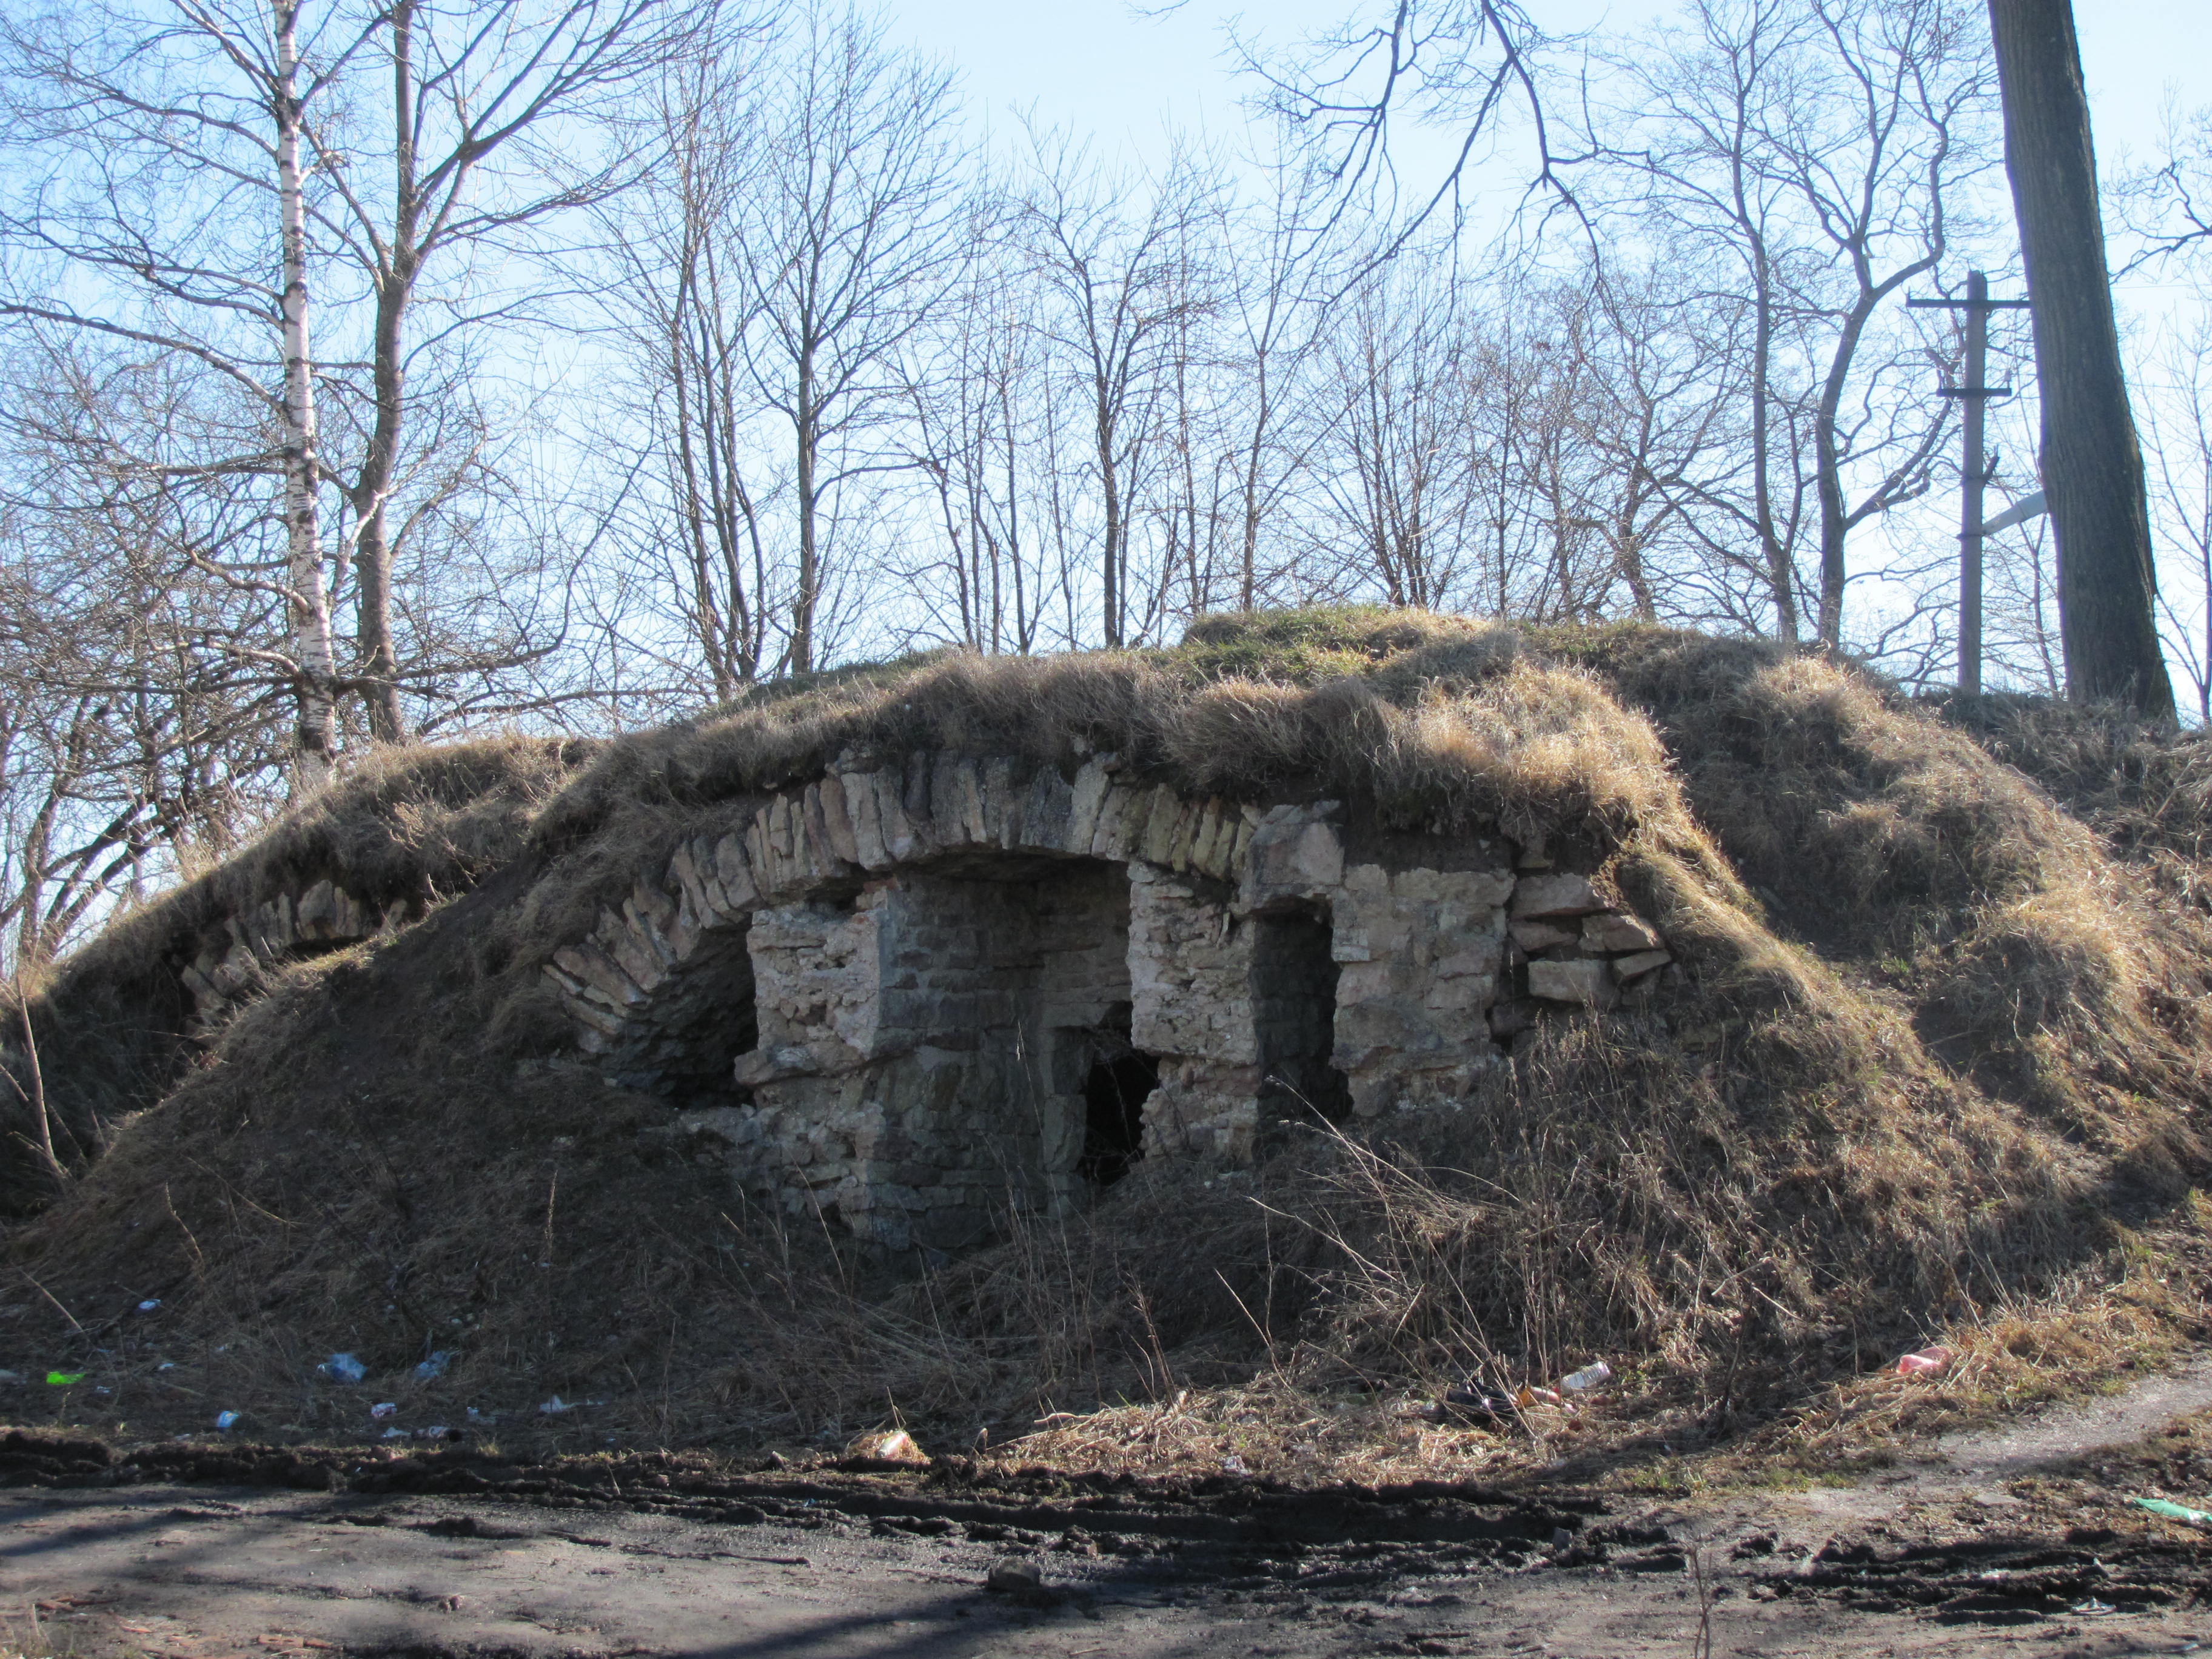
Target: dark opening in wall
701, 1020
1113, 1096
1294, 1007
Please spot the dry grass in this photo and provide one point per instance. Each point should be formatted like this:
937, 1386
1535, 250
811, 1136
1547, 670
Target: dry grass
1936, 1068
415, 825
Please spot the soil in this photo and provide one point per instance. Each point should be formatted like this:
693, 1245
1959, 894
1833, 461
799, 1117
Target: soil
2020, 1538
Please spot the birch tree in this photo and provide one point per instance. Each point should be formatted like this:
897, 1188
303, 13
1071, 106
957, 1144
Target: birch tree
160, 198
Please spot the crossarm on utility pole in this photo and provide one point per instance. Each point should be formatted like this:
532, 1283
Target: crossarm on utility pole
1974, 472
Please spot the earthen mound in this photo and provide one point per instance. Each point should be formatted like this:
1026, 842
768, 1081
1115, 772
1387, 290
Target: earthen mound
1339, 996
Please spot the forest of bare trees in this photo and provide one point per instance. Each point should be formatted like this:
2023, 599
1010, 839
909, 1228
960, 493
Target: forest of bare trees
372, 371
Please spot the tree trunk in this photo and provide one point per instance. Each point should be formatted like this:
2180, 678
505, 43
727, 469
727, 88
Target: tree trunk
803, 603
1827, 466
1781, 579
2093, 469
395, 289
315, 744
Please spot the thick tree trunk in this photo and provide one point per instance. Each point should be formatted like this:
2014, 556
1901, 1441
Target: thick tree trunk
315, 744
2093, 469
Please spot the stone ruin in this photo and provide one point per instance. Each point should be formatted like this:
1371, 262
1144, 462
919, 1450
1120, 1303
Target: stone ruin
239, 960
907, 997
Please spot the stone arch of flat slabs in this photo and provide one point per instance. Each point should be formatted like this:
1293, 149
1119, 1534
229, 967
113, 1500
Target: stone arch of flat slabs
659, 990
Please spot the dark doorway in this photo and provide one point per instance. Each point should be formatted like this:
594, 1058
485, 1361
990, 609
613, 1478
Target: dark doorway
1294, 1002
1113, 1096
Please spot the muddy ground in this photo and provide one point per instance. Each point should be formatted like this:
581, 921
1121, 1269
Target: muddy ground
2021, 1539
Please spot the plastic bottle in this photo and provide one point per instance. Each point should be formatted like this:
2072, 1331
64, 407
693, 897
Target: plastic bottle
1589, 1378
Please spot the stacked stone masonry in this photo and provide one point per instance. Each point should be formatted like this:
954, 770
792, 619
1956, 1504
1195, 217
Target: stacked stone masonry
906, 980
254, 945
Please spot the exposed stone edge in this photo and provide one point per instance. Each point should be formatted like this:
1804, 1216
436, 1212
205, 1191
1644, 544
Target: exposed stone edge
854, 823
262, 938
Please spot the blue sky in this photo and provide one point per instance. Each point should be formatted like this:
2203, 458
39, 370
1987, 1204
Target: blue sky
1100, 67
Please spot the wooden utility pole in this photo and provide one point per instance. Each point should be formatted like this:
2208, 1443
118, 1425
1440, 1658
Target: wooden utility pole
1974, 468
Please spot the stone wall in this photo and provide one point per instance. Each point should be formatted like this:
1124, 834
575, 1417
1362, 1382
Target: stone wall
933, 955
906, 1075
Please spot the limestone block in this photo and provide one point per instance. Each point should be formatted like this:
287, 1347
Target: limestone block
588, 1011
1002, 804
1470, 995
684, 872
968, 796
1626, 968
771, 870
865, 816
654, 905
1608, 932
1540, 897
1241, 852
1476, 959
1163, 819
201, 987
349, 917
594, 967
810, 838
1294, 851
925, 835
1534, 936
636, 958
881, 833
733, 870
1111, 838
1584, 983
1086, 799
238, 970
837, 820
947, 810
1203, 1110
646, 909
683, 934
317, 909
1392, 1030
1185, 837
1047, 808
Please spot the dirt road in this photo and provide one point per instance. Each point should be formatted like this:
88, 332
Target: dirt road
1995, 1543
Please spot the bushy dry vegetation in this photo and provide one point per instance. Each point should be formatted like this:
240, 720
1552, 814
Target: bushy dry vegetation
1937, 1066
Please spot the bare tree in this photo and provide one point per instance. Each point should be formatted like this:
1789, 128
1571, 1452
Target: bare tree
2180, 425
1394, 461
696, 482
423, 186
1111, 255
160, 199
849, 236
140, 733
1821, 147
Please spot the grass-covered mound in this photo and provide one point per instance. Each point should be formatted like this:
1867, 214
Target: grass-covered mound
1937, 1064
